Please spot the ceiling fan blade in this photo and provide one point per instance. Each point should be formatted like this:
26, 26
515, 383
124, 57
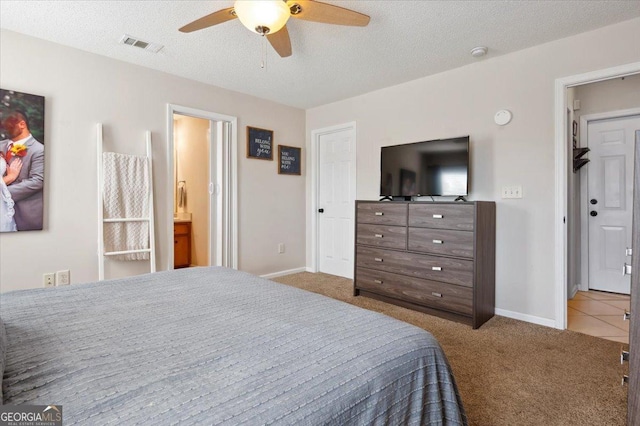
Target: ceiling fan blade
210, 20
281, 42
326, 13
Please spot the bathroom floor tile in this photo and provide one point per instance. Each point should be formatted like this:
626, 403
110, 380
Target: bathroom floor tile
620, 304
614, 320
571, 311
603, 295
581, 295
594, 327
599, 314
594, 307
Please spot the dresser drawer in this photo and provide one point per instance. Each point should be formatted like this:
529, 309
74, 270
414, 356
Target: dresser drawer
382, 236
441, 241
181, 228
434, 294
382, 213
442, 216
449, 270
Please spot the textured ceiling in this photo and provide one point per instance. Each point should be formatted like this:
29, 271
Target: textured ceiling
404, 41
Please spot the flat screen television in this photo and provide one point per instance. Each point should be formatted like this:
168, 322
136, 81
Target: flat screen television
438, 167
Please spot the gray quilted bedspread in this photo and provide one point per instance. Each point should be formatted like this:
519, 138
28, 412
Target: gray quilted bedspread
217, 346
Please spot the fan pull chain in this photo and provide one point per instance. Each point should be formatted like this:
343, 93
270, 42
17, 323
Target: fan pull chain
263, 63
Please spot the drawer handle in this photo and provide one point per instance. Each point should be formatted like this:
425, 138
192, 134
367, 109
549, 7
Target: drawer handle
377, 259
437, 216
436, 268
437, 241
433, 293
379, 214
378, 235
377, 281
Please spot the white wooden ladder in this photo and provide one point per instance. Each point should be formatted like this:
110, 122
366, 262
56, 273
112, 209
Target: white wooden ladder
101, 220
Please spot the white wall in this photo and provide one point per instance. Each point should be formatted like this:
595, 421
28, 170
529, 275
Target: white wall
463, 101
609, 95
82, 89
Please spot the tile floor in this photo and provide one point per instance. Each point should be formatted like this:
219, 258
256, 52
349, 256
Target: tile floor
599, 314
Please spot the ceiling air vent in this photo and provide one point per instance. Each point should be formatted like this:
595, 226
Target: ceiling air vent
135, 42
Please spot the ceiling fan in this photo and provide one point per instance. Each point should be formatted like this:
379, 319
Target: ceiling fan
269, 18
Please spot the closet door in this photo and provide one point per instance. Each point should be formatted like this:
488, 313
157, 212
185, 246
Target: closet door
633, 409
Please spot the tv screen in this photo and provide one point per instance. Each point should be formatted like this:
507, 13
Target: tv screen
438, 167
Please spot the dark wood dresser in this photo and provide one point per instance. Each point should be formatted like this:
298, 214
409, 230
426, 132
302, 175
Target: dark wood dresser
435, 257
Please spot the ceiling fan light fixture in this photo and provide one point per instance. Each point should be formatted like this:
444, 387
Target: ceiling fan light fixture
262, 16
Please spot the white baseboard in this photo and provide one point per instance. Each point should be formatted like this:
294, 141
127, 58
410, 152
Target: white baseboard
573, 291
283, 273
527, 318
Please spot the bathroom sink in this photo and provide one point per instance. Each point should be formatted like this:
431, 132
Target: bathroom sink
182, 217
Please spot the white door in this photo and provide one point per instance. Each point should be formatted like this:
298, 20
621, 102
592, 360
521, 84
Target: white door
218, 135
610, 196
336, 201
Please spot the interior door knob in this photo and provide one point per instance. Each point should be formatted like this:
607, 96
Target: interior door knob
593, 213
320, 210
593, 201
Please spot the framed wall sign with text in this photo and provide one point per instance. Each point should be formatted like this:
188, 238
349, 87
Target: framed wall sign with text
259, 143
290, 159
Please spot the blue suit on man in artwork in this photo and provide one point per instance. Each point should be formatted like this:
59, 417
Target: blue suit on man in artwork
27, 189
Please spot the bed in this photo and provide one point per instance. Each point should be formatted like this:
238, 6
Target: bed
218, 346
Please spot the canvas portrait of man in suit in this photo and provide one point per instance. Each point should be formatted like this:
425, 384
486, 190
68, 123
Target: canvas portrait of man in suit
23, 155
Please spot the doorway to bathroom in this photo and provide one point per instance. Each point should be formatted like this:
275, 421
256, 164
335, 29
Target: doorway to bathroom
202, 167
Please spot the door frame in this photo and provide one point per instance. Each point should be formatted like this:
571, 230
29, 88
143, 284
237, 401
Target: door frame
562, 171
228, 190
315, 182
584, 189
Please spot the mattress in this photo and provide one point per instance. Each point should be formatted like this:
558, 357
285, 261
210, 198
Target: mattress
218, 346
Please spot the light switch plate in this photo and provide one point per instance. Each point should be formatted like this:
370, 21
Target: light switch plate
512, 191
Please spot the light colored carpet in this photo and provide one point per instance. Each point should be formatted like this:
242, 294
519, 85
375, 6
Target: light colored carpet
511, 372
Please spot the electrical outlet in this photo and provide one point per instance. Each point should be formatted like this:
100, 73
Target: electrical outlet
49, 279
281, 248
63, 277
